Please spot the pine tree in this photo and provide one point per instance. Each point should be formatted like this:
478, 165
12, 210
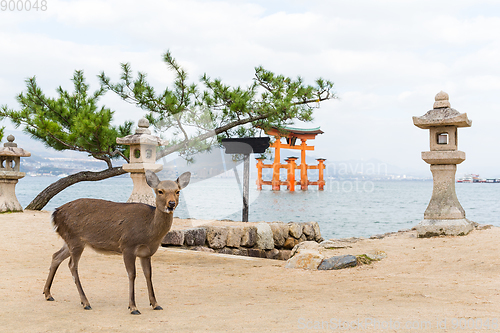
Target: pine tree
72, 121
194, 117
197, 119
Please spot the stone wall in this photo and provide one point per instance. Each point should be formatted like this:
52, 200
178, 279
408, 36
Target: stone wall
273, 240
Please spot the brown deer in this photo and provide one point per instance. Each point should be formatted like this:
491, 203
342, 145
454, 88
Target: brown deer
132, 229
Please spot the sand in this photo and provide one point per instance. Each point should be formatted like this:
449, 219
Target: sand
422, 285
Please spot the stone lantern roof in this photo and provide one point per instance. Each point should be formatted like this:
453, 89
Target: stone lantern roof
442, 115
142, 136
10, 149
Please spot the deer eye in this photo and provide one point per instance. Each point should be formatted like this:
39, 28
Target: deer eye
177, 192
160, 192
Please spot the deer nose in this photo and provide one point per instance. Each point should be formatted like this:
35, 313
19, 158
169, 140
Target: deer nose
171, 204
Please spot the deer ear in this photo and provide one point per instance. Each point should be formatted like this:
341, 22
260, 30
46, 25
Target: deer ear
184, 179
152, 179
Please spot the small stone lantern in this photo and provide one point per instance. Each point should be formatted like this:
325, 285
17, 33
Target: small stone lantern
142, 157
10, 162
444, 214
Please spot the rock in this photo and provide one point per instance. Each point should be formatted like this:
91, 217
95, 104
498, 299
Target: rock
235, 251
363, 259
308, 231
273, 254
338, 262
195, 237
265, 239
347, 240
257, 253
295, 230
280, 233
174, 237
216, 237
483, 226
202, 249
376, 255
234, 236
290, 243
328, 244
317, 232
225, 250
378, 236
308, 245
249, 236
306, 259
284, 254
302, 238
242, 251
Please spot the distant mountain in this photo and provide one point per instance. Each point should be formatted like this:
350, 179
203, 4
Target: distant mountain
214, 163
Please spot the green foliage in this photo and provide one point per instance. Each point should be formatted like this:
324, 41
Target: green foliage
72, 121
196, 118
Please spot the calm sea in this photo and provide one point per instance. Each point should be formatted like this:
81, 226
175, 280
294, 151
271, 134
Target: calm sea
344, 209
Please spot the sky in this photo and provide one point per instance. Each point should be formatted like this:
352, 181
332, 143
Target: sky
387, 58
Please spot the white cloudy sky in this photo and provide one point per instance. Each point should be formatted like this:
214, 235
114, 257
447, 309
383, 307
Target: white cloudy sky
388, 59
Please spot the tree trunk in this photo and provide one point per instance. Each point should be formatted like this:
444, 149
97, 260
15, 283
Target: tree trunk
53, 189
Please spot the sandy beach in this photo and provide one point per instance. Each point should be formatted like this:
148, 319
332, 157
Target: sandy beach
442, 284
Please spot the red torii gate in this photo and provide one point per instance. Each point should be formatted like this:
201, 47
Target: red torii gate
291, 135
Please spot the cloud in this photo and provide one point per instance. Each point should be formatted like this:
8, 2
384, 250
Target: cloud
387, 58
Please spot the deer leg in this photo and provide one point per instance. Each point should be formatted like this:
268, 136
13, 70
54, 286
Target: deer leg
146, 268
129, 259
76, 253
57, 259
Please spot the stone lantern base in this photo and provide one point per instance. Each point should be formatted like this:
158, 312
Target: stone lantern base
8, 199
444, 214
142, 192
456, 227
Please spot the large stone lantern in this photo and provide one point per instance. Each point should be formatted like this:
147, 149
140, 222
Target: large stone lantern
142, 157
444, 214
10, 162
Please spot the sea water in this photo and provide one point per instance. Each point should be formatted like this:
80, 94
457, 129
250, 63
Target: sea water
348, 208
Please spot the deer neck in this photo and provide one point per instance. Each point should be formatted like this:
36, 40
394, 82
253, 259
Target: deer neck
162, 221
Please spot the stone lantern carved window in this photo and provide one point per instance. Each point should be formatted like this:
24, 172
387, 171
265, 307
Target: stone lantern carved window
442, 138
137, 153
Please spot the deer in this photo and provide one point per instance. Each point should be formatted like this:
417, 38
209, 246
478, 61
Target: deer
130, 229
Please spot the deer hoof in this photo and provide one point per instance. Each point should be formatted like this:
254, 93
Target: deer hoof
135, 312
157, 308
88, 307
50, 298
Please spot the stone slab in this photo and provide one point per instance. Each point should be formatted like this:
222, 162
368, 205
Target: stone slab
249, 236
216, 237
280, 233
174, 237
234, 236
265, 240
195, 236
